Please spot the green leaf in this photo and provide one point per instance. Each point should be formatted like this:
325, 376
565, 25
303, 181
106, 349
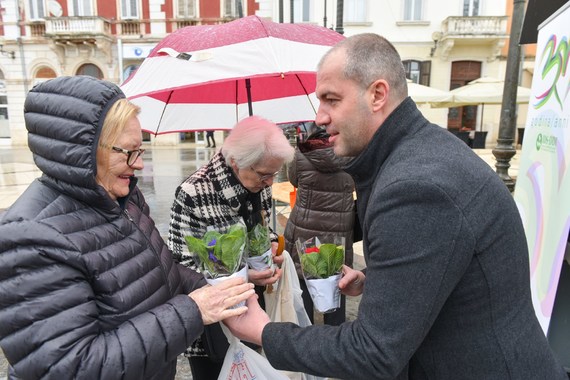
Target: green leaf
309, 264
231, 247
196, 246
324, 263
258, 239
219, 253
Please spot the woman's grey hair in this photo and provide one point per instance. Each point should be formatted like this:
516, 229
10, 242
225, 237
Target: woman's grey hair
254, 140
370, 57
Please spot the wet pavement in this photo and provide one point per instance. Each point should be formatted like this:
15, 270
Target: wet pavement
165, 167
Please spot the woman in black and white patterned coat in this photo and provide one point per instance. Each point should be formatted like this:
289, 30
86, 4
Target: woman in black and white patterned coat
235, 183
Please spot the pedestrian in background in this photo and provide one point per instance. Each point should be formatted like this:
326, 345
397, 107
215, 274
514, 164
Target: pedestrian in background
324, 207
235, 183
210, 136
88, 288
446, 289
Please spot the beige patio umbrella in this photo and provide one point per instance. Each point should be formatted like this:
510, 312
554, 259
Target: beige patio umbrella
485, 90
424, 94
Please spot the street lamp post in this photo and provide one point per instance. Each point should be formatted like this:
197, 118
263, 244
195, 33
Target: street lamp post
504, 150
325, 17
339, 16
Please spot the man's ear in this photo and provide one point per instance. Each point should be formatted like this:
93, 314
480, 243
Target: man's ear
380, 90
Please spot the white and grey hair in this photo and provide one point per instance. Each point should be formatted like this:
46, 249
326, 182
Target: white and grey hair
254, 140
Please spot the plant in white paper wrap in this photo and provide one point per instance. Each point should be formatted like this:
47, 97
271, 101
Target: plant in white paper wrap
220, 252
321, 264
259, 248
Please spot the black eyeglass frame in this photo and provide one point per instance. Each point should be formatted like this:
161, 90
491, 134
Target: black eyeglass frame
132, 155
264, 177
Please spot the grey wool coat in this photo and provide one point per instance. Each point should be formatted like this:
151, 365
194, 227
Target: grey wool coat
447, 290
88, 288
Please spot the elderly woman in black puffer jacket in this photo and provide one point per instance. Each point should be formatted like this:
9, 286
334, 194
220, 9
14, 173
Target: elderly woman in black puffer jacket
88, 288
324, 206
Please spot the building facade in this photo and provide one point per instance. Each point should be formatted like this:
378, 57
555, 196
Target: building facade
443, 43
42, 39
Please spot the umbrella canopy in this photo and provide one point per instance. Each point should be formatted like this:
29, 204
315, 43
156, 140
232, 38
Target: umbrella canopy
210, 76
484, 90
424, 94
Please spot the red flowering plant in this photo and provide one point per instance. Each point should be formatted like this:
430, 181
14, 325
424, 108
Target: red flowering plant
321, 264
321, 260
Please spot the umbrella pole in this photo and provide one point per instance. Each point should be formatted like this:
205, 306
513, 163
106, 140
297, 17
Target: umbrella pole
162, 114
248, 89
481, 123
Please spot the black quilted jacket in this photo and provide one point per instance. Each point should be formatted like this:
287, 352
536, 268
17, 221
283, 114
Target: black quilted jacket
88, 288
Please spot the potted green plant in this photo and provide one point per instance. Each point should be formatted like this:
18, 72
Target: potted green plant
259, 248
219, 253
321, 264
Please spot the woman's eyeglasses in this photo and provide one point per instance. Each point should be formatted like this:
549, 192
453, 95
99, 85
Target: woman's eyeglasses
132, 155
264, 177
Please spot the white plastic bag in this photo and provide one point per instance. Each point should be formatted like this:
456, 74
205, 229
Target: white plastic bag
243, 363
285, 304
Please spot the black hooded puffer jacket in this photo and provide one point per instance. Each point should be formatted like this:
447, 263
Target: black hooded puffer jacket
88, 288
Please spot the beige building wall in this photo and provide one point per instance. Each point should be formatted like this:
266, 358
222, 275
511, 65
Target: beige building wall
414, 40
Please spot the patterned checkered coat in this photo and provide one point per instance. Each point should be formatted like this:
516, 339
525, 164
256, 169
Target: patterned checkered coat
211, 196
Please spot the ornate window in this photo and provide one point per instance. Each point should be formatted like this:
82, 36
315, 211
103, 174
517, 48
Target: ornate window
37, 9
418, 71
412, 10
355, 11
187, 9
471, 8
91, 70
80, 7
302, 10
42, 74
232, 8
129, 9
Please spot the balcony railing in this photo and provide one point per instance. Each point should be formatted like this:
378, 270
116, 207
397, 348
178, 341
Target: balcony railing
182, 23
89, 27
37, 28
77, 26
492, 26
129, 28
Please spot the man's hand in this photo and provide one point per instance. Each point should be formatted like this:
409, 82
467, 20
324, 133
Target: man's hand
249, 325
352, 281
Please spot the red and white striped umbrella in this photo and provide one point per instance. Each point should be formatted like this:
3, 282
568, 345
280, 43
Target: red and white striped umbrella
210, 76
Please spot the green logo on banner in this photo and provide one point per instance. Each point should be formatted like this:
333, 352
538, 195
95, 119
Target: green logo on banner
546, 142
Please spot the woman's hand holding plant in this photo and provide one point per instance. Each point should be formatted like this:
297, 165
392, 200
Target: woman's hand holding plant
216, 302
264, 277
